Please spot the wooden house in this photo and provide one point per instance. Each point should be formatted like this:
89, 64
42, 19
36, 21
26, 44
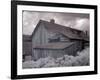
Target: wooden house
51, 39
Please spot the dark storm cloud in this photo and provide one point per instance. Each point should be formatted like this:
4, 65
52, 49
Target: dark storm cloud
74, 20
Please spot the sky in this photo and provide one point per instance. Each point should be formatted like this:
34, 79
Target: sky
74, 20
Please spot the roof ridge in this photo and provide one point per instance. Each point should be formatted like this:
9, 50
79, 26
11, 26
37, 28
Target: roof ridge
59, 25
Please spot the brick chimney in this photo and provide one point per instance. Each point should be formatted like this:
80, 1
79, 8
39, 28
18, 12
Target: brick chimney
52, 21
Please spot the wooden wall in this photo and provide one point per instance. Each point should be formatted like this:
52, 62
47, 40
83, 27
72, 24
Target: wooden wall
39, 37
73, 49
42, 53
55, 53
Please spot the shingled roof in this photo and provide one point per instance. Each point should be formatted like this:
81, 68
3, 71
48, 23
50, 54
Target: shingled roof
65, 30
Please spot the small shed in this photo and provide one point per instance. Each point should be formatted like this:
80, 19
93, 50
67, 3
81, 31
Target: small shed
27, 47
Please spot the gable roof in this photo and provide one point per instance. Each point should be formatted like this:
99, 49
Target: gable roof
67, 31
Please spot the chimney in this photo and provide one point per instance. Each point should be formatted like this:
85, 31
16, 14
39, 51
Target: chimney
86, 32
52, 21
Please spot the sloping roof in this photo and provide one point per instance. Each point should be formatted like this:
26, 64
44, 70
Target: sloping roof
56, 45
67, 31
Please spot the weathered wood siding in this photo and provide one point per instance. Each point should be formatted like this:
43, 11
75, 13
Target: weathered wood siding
71, 50
27, 48
42, 53
40, 37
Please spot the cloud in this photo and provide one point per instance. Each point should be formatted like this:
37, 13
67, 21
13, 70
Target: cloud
82, 24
